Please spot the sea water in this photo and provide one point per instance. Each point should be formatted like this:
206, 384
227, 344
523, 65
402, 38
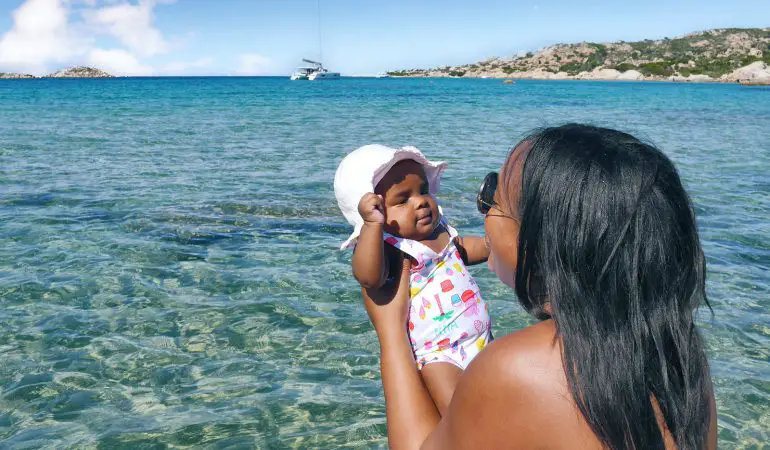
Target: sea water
169, 265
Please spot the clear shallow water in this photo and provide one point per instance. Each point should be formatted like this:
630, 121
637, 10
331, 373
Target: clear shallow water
168, 266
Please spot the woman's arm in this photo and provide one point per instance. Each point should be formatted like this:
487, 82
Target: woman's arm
473, 249
410, 411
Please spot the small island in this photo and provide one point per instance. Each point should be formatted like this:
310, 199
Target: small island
727, 55
72, 72
80, 72
15, 76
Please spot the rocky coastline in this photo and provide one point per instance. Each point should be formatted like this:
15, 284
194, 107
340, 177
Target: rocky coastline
15, 76
715, 56
72, 72
754, 74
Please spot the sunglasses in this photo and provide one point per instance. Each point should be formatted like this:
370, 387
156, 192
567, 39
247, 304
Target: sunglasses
485, 200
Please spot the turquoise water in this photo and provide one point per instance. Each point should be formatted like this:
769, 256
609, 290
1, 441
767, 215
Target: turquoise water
169, 273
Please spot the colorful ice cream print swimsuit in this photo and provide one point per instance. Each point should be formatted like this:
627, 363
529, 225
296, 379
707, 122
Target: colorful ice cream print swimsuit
448, 319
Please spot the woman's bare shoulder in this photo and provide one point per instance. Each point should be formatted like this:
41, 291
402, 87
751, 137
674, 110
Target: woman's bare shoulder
508, 393
523, 359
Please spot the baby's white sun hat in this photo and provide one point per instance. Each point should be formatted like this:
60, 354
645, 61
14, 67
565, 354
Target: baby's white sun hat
362, 169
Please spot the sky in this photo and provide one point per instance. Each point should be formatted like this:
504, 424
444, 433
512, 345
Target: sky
357, 37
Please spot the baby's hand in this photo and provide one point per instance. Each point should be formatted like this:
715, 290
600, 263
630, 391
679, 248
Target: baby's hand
372, 208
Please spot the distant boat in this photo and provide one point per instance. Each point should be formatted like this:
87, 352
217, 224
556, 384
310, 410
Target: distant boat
301, 73
382, 75
316, 71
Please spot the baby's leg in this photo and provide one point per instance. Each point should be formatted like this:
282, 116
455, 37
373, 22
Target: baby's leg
441, 379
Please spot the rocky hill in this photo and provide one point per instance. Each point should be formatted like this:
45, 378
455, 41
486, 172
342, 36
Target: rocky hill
80, 72
14, 76
72, 72
714, 55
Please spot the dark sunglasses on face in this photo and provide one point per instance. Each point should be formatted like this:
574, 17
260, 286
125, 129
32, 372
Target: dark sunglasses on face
486, 198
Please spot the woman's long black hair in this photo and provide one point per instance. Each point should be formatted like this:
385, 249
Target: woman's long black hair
609, 233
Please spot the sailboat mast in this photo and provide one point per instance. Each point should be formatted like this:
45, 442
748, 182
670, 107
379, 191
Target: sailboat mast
317, 71
320, 46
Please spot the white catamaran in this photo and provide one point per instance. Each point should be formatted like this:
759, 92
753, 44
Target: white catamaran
316, 71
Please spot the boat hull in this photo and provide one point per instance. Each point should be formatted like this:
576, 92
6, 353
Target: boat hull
323, 76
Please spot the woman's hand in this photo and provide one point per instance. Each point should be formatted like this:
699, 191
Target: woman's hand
388, 306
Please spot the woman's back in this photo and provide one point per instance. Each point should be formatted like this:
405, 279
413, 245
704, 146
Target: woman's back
518, 385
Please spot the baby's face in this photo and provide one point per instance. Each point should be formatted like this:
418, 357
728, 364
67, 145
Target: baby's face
410, 211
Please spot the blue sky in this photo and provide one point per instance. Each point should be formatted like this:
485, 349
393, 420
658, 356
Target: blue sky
265, 37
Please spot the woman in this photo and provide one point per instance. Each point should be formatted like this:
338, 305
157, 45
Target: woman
594, 231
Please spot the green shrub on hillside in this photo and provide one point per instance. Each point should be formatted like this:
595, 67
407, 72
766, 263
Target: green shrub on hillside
622, 67
571, 68
746, 60
601, 49
593, 61
656, 68
715, 68
641, 46
678, 46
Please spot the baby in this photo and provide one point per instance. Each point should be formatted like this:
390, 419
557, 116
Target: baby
388, 195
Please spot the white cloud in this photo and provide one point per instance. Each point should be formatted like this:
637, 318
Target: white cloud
48, 35
132, 24
40, 36
118, 62
254, 64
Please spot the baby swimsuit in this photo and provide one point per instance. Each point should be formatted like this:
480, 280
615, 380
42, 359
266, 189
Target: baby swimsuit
448, 319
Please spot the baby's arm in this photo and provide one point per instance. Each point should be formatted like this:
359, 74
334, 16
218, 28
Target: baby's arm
473, 249
369, 265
